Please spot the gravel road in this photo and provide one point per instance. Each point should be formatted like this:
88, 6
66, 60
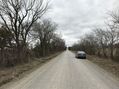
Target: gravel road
66, 72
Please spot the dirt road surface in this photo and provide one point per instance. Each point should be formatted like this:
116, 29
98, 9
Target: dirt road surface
66, 72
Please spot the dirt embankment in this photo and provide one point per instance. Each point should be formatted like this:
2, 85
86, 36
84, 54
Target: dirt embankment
17, 72
107, 64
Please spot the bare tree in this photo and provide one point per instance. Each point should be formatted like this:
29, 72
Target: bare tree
102, 40
113, 31
5, 41
113, 37
44, 32
88, 43
18, 16
57, 44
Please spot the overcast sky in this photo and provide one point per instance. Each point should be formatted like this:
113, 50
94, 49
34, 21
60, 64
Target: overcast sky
77, 17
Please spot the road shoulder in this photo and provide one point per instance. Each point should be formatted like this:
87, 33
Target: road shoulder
106, 64
15, 73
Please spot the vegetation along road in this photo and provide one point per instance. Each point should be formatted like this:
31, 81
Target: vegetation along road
67, 72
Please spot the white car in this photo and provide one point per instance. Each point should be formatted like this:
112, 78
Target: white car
80, 54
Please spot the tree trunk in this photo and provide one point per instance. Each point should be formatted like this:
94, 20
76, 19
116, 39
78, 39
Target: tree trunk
111, 52
42, 48
104, 53
2, 59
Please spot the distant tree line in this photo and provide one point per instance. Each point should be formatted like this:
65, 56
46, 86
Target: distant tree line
20, 21
102, 41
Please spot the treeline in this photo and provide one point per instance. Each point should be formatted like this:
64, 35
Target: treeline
21, 24
102, 41
47, 40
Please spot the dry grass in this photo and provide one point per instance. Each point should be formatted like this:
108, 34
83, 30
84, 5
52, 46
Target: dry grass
9, 74
107, 64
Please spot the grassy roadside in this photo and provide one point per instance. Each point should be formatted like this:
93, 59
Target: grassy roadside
19, 71
106, 64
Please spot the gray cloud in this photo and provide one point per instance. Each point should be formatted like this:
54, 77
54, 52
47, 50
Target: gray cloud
77, 17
